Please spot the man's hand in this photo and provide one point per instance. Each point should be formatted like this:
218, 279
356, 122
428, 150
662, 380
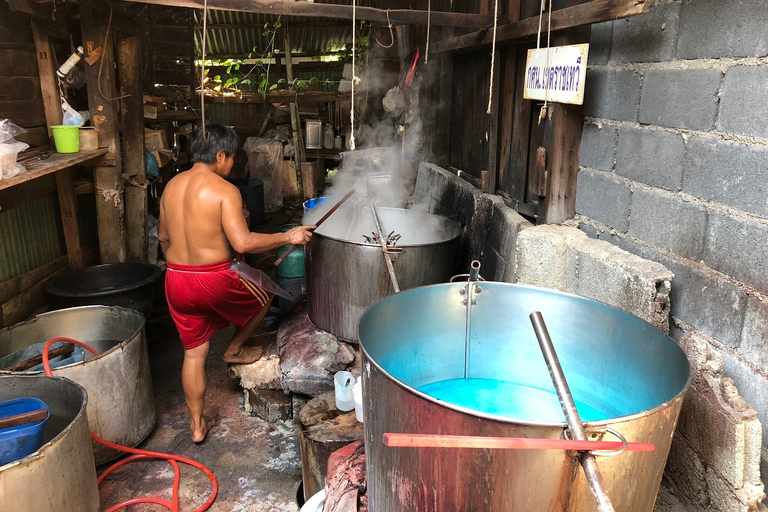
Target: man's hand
300, 235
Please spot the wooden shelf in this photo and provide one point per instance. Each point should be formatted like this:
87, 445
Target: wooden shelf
55, 162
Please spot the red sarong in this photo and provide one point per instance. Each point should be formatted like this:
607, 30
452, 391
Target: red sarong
203, 299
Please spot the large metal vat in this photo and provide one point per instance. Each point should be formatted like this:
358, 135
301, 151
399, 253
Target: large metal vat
631, 376
346, 275
121, 405
61, 475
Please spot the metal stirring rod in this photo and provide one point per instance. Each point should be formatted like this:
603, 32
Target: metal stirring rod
383, 241
588, 462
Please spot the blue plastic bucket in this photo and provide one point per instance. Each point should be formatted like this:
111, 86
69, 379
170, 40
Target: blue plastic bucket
311, 203
20, 441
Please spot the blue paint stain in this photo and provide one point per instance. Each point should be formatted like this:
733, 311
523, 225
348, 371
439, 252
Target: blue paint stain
507, 399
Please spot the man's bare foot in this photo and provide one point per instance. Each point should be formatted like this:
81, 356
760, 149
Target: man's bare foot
247, 355
198, 436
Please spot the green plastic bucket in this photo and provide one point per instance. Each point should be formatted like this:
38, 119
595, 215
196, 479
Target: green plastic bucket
66, 138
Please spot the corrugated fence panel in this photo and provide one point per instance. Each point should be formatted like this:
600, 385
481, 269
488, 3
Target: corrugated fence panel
30, 237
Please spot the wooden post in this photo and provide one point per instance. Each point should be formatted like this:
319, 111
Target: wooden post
298, 143
108, 179
132, 114
507, 93
64, 181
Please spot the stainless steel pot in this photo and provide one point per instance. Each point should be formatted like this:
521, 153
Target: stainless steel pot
61, 475
626, 374
121, 404
346, 275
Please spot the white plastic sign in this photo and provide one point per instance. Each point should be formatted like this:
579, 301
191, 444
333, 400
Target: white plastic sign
556, 74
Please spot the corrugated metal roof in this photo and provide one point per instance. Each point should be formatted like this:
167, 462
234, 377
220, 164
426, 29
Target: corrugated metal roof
238, 33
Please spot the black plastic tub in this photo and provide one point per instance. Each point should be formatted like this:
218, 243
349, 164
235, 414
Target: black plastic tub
129, 285
252, 190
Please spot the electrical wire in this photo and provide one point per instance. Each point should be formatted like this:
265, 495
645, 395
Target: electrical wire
140, 454
101, 61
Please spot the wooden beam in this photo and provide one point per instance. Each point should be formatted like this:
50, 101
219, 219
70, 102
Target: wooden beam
110, 205
596, 11
508, 58
64, 178
298, 144
257, 26
132, 115
317, 10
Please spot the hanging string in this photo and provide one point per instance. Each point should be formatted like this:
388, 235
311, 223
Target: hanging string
493, 53
202, 68
544, 110
429, 23
101, 62
352, 108
391, 35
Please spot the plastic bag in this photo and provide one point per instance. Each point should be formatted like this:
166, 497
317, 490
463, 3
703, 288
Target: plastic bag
9, 130
259, 278
10, 149
71, 116
265, 162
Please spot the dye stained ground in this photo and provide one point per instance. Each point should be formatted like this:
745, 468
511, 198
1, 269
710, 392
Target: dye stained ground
258, 465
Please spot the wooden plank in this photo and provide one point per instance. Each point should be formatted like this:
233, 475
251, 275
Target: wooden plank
35, 137
596, 11
43, 15
27, 191
110, 205
36, 360
25, 113
493, 126
517, 169
129, 68
47, 78
540, 173
53, 163
20, 88
172, 50
24, 418
317, 10
13, 287
68, 206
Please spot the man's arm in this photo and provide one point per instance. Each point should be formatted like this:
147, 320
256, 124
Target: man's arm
162, 230
240, 237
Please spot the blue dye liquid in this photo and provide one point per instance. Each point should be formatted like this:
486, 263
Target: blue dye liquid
507, 399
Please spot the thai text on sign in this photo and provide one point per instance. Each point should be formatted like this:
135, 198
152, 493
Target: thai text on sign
556, 74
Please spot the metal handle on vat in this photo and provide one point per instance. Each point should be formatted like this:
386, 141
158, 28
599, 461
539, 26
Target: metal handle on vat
474, 273
588, 462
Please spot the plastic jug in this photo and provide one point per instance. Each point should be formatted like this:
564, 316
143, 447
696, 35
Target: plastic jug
343, 382
357, 394
328, 137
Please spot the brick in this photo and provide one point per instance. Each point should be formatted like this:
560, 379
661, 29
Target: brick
601, 271
647, 38
651, 157
603, 198
598, 147
600, 43
540, 257
728, 173
612, 94
735, 246
711, 29
706, 301
680, 98
744, 101
754, 336
664, 220
270, 405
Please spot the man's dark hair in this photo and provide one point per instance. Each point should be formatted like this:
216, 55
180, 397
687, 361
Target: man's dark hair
217, 138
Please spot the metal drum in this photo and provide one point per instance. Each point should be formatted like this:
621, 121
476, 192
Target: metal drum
623, 374
60, 475
121, 406
346, 275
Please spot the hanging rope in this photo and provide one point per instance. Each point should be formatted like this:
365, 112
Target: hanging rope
429, 23
391, 35
352, 107
202, 68
543, 112
493, 53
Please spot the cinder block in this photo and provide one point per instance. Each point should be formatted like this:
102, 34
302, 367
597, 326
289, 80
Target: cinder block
743, 101
495, 267
706, 301
600, 43
651, 157
754, 336
736, 246
732, 29
647, 38
505, 225
686, 469
603, 198
540, 257
752, 386
728, 173
601, 271
664, 220
598, 147
270, 405
680, 98
612, 94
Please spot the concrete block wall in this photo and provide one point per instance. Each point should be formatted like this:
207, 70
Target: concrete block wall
674, 168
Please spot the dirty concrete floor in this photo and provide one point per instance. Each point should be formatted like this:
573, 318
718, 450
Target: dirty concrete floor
258, 465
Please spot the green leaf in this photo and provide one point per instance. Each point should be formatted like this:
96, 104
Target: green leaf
217, 78
229, 69
237, 67
259, 62
282, 81
313, 80
234, 79
278, 24
300, 84
273, 87
246, 81
270, 55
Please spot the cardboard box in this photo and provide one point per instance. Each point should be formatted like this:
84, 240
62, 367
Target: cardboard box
155, 140
150, 112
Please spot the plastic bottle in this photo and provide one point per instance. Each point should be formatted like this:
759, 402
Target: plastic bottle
328, 136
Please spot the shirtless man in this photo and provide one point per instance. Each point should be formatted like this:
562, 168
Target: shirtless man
201, 227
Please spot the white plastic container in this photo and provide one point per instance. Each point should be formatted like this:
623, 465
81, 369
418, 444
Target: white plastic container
357, 394
343, 382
